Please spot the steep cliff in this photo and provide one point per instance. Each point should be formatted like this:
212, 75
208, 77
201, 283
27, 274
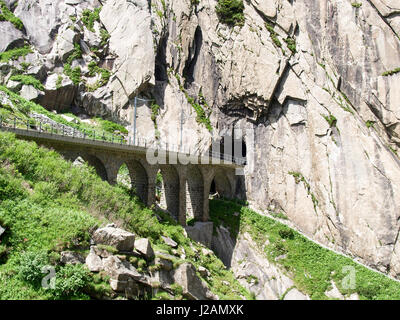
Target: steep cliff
314, 83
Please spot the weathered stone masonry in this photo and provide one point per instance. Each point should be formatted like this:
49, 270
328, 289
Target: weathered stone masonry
185, 189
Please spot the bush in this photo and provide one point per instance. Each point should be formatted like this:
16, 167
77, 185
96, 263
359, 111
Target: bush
14, 54
10, 187
31, 265
286, 234
74, 74
89, 17
7, 15
28, 80
71, 280
230, 12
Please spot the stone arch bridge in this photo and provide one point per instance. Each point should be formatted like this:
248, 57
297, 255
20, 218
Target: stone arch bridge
185, 187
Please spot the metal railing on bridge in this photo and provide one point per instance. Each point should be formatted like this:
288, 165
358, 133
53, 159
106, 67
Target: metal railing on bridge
118, 139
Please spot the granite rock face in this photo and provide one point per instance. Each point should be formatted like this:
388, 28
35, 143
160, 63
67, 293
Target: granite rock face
312, 83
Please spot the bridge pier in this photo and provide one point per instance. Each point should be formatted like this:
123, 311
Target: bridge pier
186, 187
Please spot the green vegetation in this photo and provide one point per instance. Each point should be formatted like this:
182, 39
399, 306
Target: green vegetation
291, 43
14, 54
331, 119
155, 112
300, 178
105, 36
110, 126
200, 107
28, 80
356, 4
391, 72
74, 74
7, 15
273, 35
311, 267
21, 108
89, 17
49, 205
104, 73
370, 124
76, 54
231, 12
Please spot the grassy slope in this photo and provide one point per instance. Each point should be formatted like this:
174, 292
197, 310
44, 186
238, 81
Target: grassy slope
311, 266
48, 205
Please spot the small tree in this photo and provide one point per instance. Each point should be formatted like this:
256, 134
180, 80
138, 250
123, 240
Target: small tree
230, 12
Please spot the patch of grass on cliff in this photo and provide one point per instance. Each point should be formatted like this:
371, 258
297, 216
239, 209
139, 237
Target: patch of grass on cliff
14, 54
273, 35
104, 76
89, 17
74, 74
311, 266
7, 15
391, 72
231, 12
28, 80
49, 205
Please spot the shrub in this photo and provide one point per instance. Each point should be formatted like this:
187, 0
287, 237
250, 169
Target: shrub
230, 12
391, 72
28, 80
74, 74
14, 54
76, 54
111, 127
89, 17
7, 15
286, 234
31, 265
71, 280
105, 76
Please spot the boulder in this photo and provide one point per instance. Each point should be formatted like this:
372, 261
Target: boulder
10, 36
193, 287
201, 232
29, 92
120, 239
59, 93
14, 85
204, 272
143, 246
165, 261
295, 294
169, 242
93, 261
103, 253
69, 257
123, 274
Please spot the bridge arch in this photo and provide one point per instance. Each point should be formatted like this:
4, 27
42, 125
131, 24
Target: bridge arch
170, 189
221, 185
97, 164
194, 193
139, 179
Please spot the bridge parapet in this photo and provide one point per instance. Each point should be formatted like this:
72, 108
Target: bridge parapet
186, 184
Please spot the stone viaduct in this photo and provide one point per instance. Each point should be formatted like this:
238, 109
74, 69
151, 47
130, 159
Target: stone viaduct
185, 187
